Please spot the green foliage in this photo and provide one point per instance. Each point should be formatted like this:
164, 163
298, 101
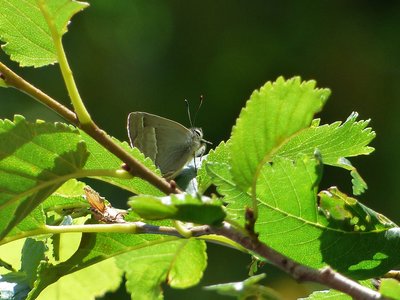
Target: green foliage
90, 282
36, 159
390, 288
328, 294
291, 222
335, 142
179, 263
185, 208
101, 159
333, 294
2, 83
247, 289
271, 165
272, 116
24, 28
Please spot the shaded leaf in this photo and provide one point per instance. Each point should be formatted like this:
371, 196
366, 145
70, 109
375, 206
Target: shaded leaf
65, 200
14, 286
187, 178
348, 214
220, 155
100, 158
33, 253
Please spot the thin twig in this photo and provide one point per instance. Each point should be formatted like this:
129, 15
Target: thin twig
17, 82
325, 276
136, 168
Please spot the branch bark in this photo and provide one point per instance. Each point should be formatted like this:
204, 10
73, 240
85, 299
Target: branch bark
135, 167
252, 244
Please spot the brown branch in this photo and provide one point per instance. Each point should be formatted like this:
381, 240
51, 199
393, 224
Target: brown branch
325, 276
136, 168
17, 82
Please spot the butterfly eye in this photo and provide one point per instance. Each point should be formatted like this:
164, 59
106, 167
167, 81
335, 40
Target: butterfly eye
199, 132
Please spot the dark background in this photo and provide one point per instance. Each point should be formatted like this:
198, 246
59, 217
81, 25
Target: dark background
151, 55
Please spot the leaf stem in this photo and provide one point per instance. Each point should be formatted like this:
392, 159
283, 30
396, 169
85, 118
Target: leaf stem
77, 103
325, 276
136, 168
82, 118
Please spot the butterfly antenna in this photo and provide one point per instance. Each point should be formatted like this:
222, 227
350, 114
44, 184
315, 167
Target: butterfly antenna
198, 108
188, 112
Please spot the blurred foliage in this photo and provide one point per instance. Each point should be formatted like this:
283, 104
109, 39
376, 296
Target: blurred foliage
151, 55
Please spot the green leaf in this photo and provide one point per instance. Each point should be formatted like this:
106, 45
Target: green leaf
95, 248
35, 220
32, 253
218, 155
272, 115
101, 159
36, 159
347, 213
183, 207
179, 263
334, 294
335, 142
327, 295
290, 221
69, 197
83, 284
2, 82
24, 28
247, 289
390, 288
218, 171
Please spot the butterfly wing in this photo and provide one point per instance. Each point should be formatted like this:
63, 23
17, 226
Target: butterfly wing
169, 144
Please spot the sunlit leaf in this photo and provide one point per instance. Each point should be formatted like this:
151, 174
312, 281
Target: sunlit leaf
24, 29
335, 142
182, 207
272, 115
179, 263
35, 160
95, 248
101, 158
291, 222
390, 288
